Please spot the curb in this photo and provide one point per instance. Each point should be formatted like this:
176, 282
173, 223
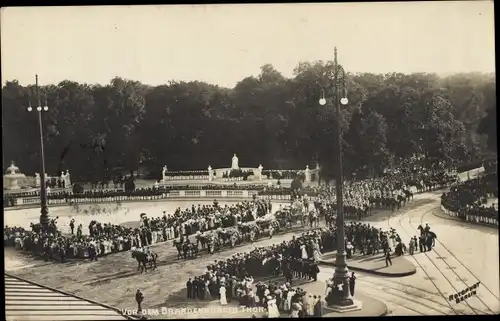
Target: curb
129, 317
368, 271
448, 217
386, 312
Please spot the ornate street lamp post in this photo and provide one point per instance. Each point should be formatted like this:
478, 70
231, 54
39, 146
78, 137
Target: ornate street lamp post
339, 298
44, 212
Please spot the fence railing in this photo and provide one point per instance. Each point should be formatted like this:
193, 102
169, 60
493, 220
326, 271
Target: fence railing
472, 218
186, 177
210, 194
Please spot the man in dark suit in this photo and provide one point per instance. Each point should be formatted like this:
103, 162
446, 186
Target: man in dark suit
352, 283
314, 271
388, 259
139, 297
189, 287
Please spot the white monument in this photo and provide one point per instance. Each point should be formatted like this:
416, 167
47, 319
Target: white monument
67, 179
210, 174
164, 173
38, 181
307, 174
62, 179
234, 164
11, 177
259, 172
156, 185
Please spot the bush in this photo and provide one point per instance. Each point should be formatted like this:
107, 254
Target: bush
296, 183
77, 188
129, 185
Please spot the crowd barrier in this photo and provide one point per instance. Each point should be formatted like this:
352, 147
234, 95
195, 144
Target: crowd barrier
472, 218
219, 194
211, 194
186, 177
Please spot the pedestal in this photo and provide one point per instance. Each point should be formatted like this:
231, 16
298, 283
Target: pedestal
11, 183
355, 305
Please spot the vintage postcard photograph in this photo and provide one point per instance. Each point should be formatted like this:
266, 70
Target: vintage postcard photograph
297, 160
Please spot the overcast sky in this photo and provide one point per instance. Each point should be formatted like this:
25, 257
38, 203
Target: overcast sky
222, 44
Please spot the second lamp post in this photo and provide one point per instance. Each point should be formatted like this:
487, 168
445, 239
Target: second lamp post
340, 298
44, 210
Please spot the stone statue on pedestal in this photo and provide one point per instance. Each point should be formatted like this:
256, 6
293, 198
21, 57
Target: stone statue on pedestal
67, 179
37, 180
234, 164
12, 169
11, 177
307, 174
62, 180
260, 172
210, 173
164, 173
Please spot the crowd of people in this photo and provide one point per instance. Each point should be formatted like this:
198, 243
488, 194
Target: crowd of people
237, 277
390, 192
467, 200
104, 239
90, 196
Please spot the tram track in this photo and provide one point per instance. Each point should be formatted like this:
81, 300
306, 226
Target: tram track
422, 268
463, 279
421, 296
434, 307
404, 303
454, 282
464, 266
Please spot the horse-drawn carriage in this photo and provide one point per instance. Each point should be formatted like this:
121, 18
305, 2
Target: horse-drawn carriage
292, 215
268, 225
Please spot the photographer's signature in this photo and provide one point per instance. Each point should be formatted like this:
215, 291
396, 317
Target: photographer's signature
464, 294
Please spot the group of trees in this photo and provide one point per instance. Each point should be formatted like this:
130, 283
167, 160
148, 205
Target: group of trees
269, 119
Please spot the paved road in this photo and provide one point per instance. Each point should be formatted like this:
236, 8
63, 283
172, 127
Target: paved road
464, 254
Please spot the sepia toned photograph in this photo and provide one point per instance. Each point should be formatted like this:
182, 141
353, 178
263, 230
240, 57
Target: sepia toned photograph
299, 160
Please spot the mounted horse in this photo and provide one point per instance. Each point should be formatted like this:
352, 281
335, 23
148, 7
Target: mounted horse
313, 218
145, 260
428, 238
186, 250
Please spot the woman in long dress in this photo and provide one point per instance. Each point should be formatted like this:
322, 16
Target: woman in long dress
304, 251
223, 300
208, 296
286, 301
272, 308
316, 252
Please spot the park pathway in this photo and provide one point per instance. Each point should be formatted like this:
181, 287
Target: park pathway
28, 301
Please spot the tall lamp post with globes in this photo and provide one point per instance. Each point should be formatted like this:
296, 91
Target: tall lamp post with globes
340, 298
44, 211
